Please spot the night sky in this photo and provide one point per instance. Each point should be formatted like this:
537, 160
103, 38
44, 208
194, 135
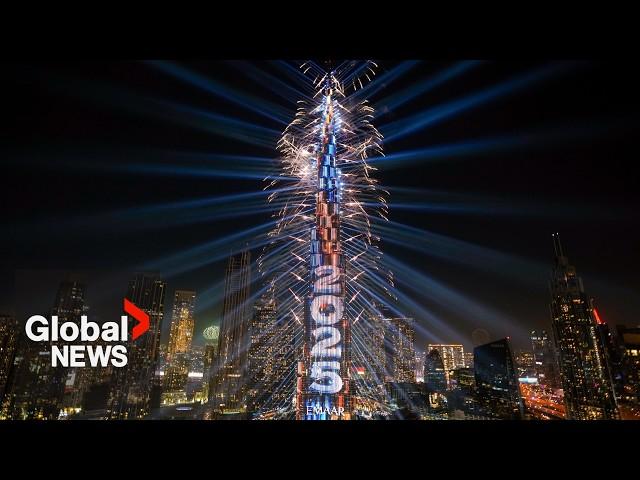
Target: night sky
485, 159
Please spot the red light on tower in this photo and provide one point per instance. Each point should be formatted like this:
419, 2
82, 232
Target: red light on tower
598, 319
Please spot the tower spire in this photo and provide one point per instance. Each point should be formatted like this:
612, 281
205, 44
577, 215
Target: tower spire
557, 246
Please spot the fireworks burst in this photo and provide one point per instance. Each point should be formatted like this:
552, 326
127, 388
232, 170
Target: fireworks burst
334, 113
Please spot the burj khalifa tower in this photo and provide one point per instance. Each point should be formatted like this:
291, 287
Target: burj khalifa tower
323, 379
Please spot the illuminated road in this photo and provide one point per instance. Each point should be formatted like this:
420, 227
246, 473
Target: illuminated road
542, 404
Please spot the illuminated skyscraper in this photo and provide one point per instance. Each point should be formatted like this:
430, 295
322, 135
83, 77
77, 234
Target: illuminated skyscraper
326, 357
9, 335
401, 349
37, 390
40, 390
462, 398
525, 365
613, 351
95, 382
182, 322
271, 358
586, 379
180, 338
131, 395
420, 359
324, 253
435, 379
211, 336
374, 349
544, 358
468, 360
628, 339
497, 381
368, 371
463, 379
231, 370
452, 356
409, 400
261, 352
69, 306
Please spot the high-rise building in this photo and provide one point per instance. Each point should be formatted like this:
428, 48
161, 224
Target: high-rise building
525, 364
324, 390
40, 390
9, 335
373, 338
463, 379
180, 339
435, 378
544, 359
95, 383
420, 359
586, 378
211, 336
452, 356
628, 338
496, 378
410, 399
468, 360
612, 350
133, 386
263, 333
230, 374
462, 399
69, 306
272, 376
368, 364
182, 323
401, 349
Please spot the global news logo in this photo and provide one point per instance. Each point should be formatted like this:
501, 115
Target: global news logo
69, 354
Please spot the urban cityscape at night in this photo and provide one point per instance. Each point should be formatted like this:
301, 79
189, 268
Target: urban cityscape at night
320, 240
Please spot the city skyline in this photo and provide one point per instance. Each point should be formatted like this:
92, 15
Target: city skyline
349, 226
266, 381
110, 307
